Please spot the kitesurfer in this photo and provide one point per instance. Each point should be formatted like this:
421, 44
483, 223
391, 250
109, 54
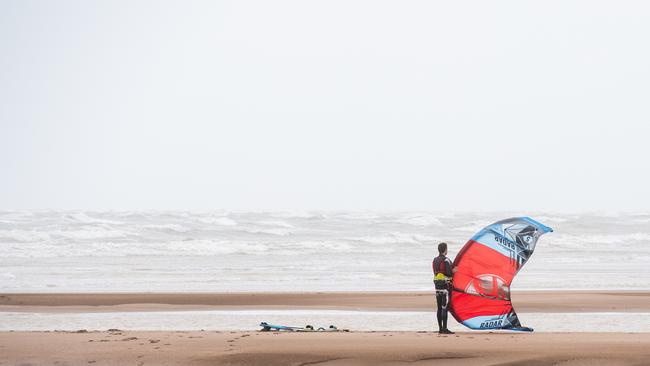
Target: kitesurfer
443, 271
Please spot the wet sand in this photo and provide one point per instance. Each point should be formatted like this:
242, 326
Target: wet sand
525, 301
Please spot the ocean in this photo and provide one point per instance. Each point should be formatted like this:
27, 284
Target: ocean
215, 251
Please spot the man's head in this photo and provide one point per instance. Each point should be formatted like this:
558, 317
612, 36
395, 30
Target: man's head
442, 248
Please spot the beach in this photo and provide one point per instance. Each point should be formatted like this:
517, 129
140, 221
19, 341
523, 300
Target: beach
357, 347
526, 301
192, 289
367, 348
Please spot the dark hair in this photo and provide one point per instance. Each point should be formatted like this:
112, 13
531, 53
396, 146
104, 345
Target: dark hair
442, 247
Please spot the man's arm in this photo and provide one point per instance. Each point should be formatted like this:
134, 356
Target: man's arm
448, 268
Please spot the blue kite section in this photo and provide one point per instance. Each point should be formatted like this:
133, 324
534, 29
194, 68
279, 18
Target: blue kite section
538, 225
495, 236
488, 322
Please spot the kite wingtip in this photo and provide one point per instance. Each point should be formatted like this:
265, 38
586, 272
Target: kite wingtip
545, 228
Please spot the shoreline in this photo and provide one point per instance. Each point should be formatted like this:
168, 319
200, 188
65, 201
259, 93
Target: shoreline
357, 348
524, 301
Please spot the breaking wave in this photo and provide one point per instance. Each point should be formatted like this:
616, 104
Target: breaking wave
229, 251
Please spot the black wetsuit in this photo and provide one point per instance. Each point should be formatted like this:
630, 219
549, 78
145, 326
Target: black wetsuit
442, 264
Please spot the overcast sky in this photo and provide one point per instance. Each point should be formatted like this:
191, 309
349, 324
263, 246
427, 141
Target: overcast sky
383, 105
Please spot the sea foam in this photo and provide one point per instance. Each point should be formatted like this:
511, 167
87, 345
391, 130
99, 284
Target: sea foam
298, 251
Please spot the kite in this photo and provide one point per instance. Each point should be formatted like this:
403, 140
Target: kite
486, 266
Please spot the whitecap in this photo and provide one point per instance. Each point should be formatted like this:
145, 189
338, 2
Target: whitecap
221, 221
89, 233
85, 219
546, 219
420, 220
276, 223
472, 228
395, 237
270, 231
167, 227
8, 276
572, 240
23, 236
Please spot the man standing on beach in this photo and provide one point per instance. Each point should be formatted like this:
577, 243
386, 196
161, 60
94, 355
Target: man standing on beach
443, 271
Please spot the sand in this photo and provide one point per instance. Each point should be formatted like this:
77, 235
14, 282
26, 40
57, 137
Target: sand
525, 301
322, 349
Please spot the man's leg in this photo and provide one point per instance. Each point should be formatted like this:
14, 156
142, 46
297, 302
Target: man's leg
444, 311
439, 302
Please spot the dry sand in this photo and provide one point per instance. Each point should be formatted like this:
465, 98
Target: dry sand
322, 349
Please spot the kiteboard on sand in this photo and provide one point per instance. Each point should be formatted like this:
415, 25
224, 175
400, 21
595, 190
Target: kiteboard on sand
486, 266
307, 328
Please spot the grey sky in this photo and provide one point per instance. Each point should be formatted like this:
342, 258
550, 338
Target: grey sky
436, 105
